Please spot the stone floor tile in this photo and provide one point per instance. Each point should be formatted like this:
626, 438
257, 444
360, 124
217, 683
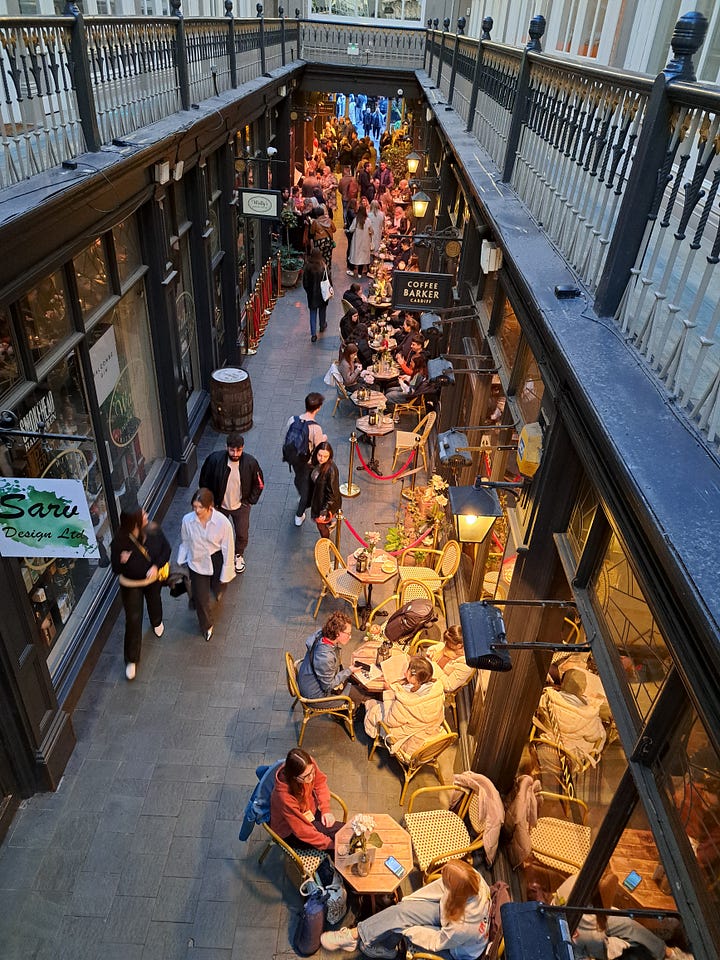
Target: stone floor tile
162, 799
167, 941
107, 854
129, 920
223, 880
141, 875
215, 923
93, 894
196, 819
153, 834
176, 900
19, 866
187, 856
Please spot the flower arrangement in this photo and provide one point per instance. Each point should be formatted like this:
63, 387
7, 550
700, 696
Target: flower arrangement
425, 507
372, 538
363, 827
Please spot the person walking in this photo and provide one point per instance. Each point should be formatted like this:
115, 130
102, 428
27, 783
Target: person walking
325, 480
313, 275
236, 481
376, 218
207, 547
322, 229
361, 243
137, 552
301, 467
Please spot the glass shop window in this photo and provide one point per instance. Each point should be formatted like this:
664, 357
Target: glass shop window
45, 315
630, 624
10, 373
186, 321
91, 276
127, 249
690, 775
506, 329
530, 388
60, 590
121, 357
583, 514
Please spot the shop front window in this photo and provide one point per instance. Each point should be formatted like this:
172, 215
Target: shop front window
121, 357
690, 773
91, 275
582, 516
9, 368
509, 332
631, 627
187, 330
45, 315
61, 590
530, 389
127, 248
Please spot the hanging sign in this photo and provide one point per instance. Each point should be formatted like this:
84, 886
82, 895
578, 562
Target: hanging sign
105, 365
260, 203
421, 291
45, 518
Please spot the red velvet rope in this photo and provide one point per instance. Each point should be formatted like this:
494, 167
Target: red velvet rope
377, 475
392, 553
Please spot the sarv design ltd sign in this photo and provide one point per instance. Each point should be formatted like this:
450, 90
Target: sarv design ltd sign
421, 291
45, 518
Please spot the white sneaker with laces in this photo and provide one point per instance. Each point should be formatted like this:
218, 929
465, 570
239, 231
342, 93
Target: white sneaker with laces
239, 565
159, 629
341, 939
299, 521
130, 671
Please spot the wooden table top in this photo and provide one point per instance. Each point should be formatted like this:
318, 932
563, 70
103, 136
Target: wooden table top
391, 373
396, 843
367, 653
374, 400
380, 429
636, 850
375, 572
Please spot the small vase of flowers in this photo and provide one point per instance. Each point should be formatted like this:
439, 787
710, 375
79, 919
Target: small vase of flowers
363, 835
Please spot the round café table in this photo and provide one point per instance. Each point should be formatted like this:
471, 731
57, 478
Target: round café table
378, 430
374, 574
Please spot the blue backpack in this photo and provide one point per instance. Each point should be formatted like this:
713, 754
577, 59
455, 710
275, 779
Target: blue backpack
296, 448
257, 809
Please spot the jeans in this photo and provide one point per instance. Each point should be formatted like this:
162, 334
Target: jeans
313, 318
240, 519
203, 586
132, 601
591, 943
385, 928
302, 485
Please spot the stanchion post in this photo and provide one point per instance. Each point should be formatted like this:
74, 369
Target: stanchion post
250, 324
280, 291
338, 532
408, 494
351, 489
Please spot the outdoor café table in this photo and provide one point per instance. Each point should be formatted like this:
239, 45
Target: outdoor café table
380, 429
636, 850
395, 843
386, 373
374, 574
377, 306
375, 398
377, 344
365, 654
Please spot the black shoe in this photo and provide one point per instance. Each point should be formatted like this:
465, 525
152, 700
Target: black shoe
323, 327
313, 339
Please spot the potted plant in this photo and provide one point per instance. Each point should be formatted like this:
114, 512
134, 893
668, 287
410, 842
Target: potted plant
291, 265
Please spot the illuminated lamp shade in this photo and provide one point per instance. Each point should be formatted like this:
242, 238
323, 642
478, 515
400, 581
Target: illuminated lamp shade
474, 512
420, 203
413, 162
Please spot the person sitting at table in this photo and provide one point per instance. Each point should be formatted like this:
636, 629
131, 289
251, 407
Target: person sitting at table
450, 915
403, 193
325, 480
354, 296
361, 339
300, 804
348, 364
449, 659
412, 708
348, 323
406, 361
400, 223
410, 387
321, 672
577, 720
410, 326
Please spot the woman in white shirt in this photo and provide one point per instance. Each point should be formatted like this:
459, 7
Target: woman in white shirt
377, 221
208, 547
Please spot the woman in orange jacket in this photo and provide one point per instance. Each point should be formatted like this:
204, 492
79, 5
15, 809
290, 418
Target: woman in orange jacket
300, 804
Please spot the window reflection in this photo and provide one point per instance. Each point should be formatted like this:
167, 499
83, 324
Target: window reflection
530, 390
9, 369
583, 514
91, 275
632, 628
45, 315
509, 333
127, 248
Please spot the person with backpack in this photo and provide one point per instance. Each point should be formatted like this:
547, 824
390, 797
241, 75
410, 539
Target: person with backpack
236, 482
302, 435
325, 483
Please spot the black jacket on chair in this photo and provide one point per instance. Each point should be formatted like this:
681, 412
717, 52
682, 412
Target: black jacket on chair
215, 472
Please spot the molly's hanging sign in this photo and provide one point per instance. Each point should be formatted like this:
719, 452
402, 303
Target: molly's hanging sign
45, 518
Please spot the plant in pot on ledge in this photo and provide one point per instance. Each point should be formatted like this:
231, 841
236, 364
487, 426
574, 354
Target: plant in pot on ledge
291, 265
424, 510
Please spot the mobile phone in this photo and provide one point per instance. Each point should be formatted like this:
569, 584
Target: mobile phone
394, 866
362, 665
632, 880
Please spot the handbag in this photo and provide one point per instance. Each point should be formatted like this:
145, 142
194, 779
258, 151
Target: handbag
163, 571
306, 939
326, 290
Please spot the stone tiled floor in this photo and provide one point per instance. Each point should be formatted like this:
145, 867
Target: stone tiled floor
136, 855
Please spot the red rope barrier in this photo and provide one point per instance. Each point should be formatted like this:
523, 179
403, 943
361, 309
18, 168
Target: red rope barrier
392, 553
377, 475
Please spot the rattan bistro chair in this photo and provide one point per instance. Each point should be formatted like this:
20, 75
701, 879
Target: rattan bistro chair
337, 706
342, 394
408, 590
304, 860
445, 568
406, 441
439, 835
336, 581
558, 843
425, 756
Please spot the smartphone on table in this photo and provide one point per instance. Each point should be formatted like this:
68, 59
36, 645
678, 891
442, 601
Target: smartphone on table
394, 866
632, 880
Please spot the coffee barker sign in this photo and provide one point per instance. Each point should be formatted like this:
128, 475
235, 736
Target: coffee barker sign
420, 291
45, 518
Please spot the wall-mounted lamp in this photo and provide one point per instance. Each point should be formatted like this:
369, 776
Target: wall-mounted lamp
420, 203
485, 639
474, 512
282, 91
413, 161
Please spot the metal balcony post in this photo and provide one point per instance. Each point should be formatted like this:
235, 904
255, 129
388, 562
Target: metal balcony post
232, 55
297, 21
432, 26
651, 167
81, 78
446, 25
281, 12
181, 58
259, 8
461, 30
487, 26
536, 30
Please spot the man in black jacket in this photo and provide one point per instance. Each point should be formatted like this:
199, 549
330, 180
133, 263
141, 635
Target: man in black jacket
236, 482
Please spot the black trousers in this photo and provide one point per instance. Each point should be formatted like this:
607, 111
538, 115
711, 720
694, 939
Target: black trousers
240, 519
302, 485
132, 601
203, 588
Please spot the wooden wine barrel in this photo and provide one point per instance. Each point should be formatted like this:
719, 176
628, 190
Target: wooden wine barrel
231, 400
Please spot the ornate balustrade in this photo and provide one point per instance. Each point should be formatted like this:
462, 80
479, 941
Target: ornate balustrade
361, 45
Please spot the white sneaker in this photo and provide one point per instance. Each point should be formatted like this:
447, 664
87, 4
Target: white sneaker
299, 521
130, 671
341, 939
239, 565
159, 630
208, 634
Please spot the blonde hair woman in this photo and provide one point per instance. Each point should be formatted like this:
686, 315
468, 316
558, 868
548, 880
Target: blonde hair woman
449, 914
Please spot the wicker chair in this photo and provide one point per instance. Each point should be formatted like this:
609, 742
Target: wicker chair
336, 581
304, 860
337, 706
425, 756
405, 442
446, 565
440, 835
562, 844
342, 394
